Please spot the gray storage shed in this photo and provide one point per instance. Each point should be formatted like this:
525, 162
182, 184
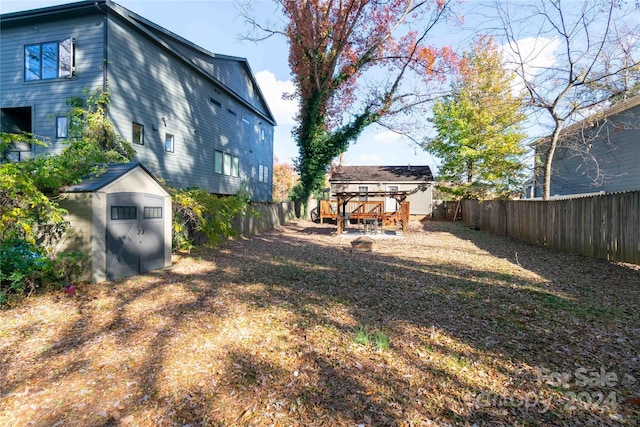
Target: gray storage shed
122, 220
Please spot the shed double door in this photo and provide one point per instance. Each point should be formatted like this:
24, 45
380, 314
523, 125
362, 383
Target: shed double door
134, 234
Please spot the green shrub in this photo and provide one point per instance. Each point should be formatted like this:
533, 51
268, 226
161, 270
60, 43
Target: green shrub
29, 215
22, 266
198, 213
68, 267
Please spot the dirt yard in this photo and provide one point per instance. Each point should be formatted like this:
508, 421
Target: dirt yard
446, 326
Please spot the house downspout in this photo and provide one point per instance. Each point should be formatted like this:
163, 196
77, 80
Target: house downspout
105, 61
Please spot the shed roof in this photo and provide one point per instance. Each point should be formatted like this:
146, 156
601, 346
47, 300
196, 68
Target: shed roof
112, 173
382, 174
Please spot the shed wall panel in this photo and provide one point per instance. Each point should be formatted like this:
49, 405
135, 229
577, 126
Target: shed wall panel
80, 233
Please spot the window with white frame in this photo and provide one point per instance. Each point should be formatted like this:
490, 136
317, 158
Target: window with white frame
263, 173
62, 127
226, 163
363, 190
169, 143
235, 166
137, 133
217, 162
50, 60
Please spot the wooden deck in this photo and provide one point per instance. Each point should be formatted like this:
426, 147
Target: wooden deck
345, 211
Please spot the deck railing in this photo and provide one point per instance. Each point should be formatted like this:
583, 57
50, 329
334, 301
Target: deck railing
360, 210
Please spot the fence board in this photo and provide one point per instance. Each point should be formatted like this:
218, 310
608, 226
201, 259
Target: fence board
602, 226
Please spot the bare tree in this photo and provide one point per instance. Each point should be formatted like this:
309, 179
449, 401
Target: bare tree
594, 61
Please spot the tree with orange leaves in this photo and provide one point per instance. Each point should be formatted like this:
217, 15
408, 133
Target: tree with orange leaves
355, 62
284, 178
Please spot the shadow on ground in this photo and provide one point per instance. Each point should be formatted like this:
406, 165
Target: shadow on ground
272, 330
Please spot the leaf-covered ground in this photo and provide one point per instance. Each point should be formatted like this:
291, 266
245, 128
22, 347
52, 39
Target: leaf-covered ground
446, 326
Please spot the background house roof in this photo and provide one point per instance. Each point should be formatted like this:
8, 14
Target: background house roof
382, 174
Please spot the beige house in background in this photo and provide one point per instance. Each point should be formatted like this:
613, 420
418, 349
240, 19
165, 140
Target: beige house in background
369, 180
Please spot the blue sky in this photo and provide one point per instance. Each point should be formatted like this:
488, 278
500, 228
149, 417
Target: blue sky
216, 26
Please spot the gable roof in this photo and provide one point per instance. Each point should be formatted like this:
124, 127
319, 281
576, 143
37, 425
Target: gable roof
382, 174
205, 63
113, 172
589, 122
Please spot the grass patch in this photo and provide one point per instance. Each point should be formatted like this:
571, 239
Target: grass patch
361, 336
376, 338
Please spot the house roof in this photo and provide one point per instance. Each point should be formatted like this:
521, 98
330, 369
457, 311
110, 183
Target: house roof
588, 122
112, 173
382, 174
186, 51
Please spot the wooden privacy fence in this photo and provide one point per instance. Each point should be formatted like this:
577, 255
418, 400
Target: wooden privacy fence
603, 226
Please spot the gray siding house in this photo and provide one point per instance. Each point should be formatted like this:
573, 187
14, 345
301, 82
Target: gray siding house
195, 118
596, 155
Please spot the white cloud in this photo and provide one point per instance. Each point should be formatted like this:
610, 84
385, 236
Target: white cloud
387, 137
536, 53
273, 89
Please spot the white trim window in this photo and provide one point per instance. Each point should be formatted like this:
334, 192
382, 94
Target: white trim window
62, 127
169, 143
235, 166
363, 190
226, 164
263, 173
217, 162
137, 133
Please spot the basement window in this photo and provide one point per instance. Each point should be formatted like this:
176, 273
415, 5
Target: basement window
137, 133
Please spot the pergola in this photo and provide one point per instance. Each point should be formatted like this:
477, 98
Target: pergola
365, 210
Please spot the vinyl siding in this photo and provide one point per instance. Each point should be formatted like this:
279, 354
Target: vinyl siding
147, 82
47, 98
611, 165
234, 74
420, 202
231, 72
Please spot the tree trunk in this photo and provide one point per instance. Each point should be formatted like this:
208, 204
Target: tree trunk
548, 162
